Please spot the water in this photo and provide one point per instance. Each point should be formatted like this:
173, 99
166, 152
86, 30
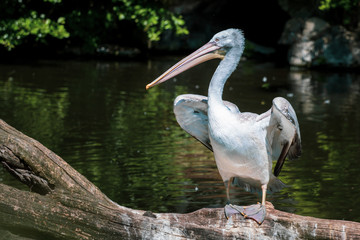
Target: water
100, 119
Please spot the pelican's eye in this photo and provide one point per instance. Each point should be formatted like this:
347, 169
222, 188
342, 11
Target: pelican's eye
217, 39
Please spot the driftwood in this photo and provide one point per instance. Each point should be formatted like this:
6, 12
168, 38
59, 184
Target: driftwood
64, 204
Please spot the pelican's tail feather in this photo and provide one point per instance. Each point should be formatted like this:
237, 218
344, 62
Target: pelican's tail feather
246, 186
274, 185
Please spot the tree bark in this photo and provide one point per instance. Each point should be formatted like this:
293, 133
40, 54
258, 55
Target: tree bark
63, 204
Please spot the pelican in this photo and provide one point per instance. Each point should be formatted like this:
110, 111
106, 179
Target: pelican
244, 144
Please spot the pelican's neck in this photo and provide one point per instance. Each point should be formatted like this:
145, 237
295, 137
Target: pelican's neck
226, 67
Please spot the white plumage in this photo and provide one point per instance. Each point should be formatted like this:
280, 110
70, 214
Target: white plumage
244, 144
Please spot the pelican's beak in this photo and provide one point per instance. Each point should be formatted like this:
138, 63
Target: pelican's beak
203, 54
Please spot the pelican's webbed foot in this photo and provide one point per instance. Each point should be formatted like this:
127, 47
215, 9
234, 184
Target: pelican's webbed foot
255, 212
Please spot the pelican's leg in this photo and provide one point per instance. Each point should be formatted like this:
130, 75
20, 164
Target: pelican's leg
229, 211
256, 212
227, 186
263, 188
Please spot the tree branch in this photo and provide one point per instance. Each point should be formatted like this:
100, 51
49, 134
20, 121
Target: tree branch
71, 207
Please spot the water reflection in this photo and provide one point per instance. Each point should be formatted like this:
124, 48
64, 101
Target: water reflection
330, 105
100, 119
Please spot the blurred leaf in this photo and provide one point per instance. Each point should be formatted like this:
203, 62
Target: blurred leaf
87, 23
346, 12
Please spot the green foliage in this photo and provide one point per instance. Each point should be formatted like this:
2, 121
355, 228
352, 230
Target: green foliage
85, 23
13, 31
346, 11
344, 4
153, 20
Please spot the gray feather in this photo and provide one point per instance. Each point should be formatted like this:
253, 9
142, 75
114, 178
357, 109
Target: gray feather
283, 133
191, 114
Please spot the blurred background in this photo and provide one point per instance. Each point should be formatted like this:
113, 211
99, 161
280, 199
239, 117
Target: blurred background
73, 76
301, 32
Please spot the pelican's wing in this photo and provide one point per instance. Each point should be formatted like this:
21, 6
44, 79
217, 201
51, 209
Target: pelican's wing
283, 133
191, 114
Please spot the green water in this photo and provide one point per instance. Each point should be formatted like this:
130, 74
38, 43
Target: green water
100, 119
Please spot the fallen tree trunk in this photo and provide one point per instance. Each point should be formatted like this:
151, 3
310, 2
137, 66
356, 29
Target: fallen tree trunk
64, 204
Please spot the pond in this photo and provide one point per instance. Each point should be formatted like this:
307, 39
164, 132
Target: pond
99, 118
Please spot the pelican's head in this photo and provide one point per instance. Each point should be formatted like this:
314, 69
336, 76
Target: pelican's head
229, 38
217, 47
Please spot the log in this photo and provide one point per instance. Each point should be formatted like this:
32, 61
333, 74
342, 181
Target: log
63, 204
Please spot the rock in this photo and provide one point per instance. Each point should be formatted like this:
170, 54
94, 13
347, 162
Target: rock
314, 42
314, 28
301, 54
292, 31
